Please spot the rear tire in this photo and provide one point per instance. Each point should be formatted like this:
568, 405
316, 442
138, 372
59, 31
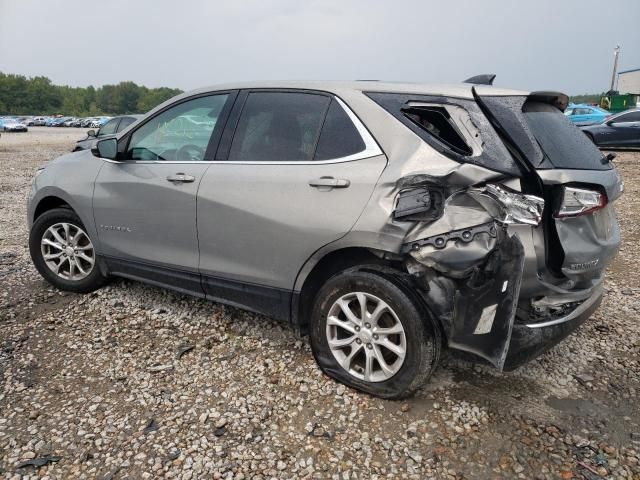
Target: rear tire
63, 252
351, 343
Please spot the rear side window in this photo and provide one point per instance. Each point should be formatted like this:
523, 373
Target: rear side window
339, 137
455, 127
562, 143
437, 122
279, 126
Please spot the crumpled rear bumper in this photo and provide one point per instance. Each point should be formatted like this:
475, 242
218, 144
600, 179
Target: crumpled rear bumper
531, 339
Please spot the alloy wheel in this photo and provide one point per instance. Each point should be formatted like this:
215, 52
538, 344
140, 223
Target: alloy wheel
366, 337
67, 251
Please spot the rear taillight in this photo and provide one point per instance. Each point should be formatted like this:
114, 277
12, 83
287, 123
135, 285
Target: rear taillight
579, 201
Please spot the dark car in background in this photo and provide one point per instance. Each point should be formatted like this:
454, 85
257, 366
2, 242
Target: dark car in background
619, 131
113, 126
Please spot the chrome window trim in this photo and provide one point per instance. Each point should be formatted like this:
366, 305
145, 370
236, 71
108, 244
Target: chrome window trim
372, 149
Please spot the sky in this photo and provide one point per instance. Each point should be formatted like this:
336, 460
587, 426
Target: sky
564, 45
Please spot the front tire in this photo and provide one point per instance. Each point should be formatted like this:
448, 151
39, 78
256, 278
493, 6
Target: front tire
63, 252
371, 331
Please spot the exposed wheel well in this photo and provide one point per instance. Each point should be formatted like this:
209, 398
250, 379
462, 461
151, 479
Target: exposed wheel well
49, 203
332, 263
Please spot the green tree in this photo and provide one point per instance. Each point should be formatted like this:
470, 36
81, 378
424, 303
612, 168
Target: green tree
20, 95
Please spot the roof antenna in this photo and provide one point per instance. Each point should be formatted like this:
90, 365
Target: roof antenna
483, 79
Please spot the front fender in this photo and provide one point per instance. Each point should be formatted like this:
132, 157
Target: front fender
70, 178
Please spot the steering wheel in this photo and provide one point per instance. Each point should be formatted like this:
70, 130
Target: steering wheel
190, 152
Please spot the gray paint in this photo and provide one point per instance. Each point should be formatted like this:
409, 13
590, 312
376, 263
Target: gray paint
261, 223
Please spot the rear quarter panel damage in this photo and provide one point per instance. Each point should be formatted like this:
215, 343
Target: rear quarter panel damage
471, 284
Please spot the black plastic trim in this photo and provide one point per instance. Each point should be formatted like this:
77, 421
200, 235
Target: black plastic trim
179, 280
269, 301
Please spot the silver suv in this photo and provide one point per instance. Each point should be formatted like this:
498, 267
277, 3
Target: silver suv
383, 220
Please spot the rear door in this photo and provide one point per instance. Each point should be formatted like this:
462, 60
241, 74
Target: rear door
294, 173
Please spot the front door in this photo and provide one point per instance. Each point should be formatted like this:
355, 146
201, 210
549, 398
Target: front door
145, 203
625, 130
298, 174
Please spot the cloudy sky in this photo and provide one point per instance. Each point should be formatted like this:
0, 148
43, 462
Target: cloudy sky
563, 45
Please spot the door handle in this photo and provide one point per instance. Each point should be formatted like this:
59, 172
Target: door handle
329, 183
181, 178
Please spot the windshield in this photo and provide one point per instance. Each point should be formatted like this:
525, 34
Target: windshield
563, 144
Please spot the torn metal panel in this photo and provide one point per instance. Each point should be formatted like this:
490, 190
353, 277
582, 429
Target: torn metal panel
485, 305
460, 211
455, 253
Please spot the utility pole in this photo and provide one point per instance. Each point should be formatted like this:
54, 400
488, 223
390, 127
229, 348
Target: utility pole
616, 52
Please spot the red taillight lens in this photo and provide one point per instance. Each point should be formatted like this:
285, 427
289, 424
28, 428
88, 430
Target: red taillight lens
580, 201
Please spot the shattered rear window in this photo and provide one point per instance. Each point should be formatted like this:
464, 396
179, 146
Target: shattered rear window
437, 122
564, 145
430, 118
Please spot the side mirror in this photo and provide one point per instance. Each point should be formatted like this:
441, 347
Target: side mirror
107, 148
91, 133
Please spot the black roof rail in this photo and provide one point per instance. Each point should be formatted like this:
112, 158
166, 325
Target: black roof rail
483, 79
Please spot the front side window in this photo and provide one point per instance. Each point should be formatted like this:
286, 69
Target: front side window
125, 122
108, 128
279, 126
180, 133
628, 117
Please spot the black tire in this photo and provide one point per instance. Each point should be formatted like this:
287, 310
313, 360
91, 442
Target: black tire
422, 331
590, 137
91, 282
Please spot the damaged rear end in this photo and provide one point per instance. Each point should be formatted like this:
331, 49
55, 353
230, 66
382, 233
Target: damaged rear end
509, 241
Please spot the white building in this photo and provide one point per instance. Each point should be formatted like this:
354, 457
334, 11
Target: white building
629, 81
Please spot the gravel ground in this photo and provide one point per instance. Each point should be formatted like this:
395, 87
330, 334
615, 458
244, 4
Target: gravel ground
138, 382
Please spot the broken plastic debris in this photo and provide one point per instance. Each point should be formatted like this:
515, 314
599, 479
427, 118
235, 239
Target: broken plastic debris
152, 426
160, 368
183, 349
39, 461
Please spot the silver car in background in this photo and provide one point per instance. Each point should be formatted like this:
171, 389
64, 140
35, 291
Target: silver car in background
384, 220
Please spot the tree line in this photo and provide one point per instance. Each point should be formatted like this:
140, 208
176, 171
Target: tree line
20, 95
587, 98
